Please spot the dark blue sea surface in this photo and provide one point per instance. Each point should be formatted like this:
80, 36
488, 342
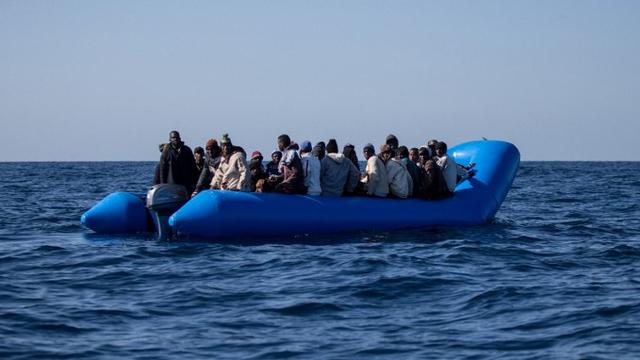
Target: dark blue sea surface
556, 275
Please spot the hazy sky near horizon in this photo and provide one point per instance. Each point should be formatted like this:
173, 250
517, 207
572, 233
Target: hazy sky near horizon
108, 80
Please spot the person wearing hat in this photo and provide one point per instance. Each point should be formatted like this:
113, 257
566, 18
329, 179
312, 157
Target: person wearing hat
319, 150
177, 164
232, 173
393, 142
211, 162
400, 183
431, 145
374, 179
349, 152
311, 169
338, 174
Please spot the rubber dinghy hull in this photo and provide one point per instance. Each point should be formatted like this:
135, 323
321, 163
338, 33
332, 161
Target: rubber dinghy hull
220, 214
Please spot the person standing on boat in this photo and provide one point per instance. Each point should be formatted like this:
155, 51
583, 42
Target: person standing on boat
211, 163
338, 175
400, 184
311, 168
393, 143
198, 155
374, 178
232, 173
448, 166
177, 164
291, 178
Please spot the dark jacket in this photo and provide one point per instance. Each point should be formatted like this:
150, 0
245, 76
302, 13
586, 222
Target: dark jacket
432, 184
206, 175
414, 172
273, 169
178, 167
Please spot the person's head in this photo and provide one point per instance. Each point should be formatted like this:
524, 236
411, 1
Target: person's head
257, 156
212, 149
392, 141
402, 152
276, 156
386, 153
414, 155
227, 146
423, 155
198, 154
162, 146
319, 151
431, 144
174, 139
441, 148
332, 146
283, 142
305, 147
368, 151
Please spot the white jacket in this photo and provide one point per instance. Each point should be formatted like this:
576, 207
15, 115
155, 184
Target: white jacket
311, 169
400, 183
449, 171
234, 173
375, 177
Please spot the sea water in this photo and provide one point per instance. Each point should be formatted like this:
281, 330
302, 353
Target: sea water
556, 275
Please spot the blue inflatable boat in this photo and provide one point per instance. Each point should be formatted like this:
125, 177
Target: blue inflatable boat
225, 214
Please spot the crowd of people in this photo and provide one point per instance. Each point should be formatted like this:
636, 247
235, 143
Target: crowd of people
394, 171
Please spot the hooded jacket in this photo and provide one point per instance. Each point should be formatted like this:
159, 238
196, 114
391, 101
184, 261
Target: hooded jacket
400, 183
375, 177
233, 172
178, 166
311, 168
338, 175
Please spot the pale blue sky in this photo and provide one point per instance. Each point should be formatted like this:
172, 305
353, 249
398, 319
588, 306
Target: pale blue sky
108, 80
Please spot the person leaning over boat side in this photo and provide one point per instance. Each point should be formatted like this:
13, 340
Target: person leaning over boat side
448, 166
273, 167
291, 178
432, 184
156, 175
350, 153
374, 179
400, 185
258, 175
311, 169
414, 155
177, 164
211, 162
414, 171
338, 174
232, 173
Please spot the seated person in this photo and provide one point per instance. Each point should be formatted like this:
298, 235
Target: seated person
400, 183
338, 174
414, 171
447, 165
232, 173
349, 152
211, 163
258, 175
374, 179
311, 169
432, 185
291, 178
414, 155
273, 167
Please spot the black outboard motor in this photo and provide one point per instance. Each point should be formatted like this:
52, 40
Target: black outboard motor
163, 200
